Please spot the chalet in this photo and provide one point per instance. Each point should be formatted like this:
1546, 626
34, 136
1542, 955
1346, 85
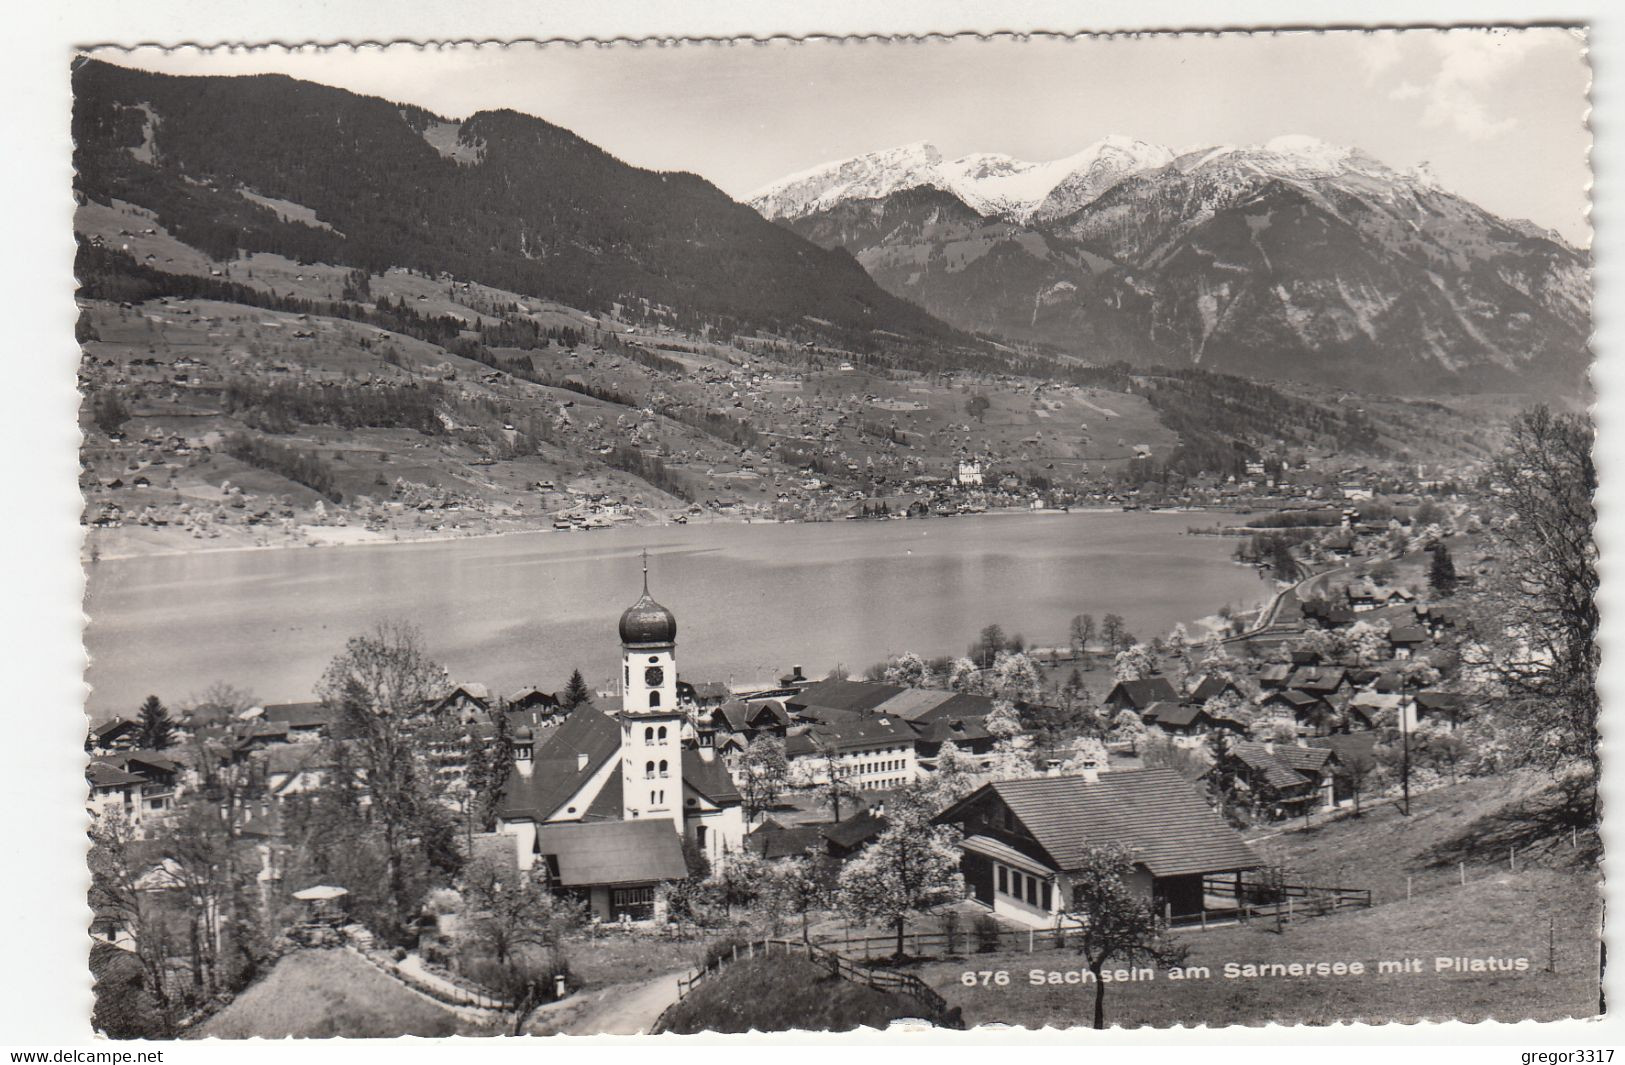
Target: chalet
1406, 639
531, 697
1309, 713
1350, 752
1323, 682
1187, 719
705, 694
1295, 777
466, 701
119, 734
1136, 695
1372, 710
1274, 677
1212, 686
1023, 839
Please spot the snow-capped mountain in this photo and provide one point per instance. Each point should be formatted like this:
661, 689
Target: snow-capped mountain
993, 184
1294, 258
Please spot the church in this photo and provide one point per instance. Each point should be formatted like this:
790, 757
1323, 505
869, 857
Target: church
599, 806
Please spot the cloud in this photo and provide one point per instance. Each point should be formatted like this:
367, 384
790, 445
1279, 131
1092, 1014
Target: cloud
1465, 66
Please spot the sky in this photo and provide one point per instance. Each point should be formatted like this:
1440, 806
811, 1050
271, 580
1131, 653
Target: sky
1498, 116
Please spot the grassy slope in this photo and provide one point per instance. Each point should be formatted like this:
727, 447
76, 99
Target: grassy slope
1498, 913
317, 994
781, 994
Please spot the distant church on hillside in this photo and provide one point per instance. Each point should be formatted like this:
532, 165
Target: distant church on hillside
600, 805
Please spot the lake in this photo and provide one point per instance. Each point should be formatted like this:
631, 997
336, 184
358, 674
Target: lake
750, 600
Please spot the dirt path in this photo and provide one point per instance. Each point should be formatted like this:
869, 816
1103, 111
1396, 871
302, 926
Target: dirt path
622, 1009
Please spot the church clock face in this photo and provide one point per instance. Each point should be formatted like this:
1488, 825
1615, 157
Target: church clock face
654, 676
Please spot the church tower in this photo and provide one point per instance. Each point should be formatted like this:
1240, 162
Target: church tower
651, 721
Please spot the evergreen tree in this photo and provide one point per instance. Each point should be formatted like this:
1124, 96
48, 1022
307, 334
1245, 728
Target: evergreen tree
576, 692
1442, 574
157, 729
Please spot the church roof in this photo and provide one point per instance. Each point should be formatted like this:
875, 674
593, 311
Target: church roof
559, 771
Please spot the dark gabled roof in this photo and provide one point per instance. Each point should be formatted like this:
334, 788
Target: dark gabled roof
852, 695
1446, 701
1297, 699
1318, 678
301, 715
610, 802
1155, 813
1275, 773
1293, 756
103, 775
557, 772
770, 709
856, 830
941, 731
1212, 686
710, 778
773, 840
1407, 634
1142, 693
1278, 674
851, 734
113, 727
613, 852
1348, 745
1176, 715
710, 689
960, 706
732, 715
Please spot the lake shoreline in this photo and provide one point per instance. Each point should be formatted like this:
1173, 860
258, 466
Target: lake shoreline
509, 610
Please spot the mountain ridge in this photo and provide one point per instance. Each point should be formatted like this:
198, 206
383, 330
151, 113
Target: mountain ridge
1376, 278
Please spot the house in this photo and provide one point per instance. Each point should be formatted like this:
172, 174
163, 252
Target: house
1296, 777
306, 722
467, 701
1187, 719
705, 694
1213, 685
532, 698
846, 838
1372, 710
1323, 682
1310, 713
1024, 839
771, 840
119, 734
1350, 751
1274, 677
1406, 639
616, 867
971, 737
1136, 695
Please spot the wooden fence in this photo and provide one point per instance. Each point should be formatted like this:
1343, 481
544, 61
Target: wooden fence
935, 1006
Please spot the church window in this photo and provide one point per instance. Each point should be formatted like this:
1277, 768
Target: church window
663, 769
654, 700
648, 735
648, 770
699, 836
661, 733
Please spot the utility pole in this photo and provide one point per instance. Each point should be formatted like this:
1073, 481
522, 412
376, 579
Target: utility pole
1405, 741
